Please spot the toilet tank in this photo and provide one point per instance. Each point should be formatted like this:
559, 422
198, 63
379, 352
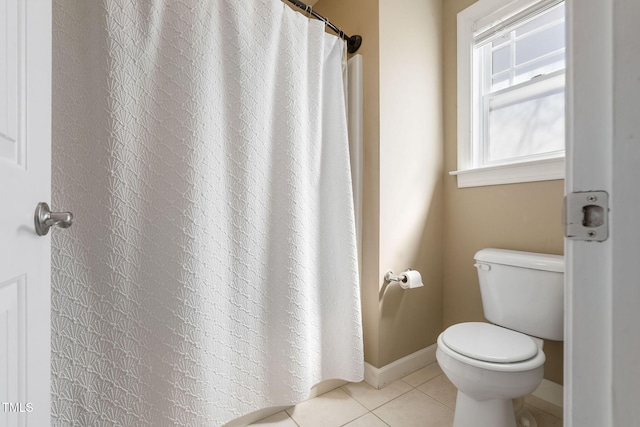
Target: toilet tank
523, 291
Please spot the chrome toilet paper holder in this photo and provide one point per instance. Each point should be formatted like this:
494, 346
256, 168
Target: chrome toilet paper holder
408, 279
390, 277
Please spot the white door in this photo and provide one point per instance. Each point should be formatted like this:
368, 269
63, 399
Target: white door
602, 335
25, 180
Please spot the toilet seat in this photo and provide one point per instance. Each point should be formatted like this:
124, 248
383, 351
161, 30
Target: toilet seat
532, 363
489, 343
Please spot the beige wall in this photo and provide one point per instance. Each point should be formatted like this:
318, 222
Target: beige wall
410, 172
518, 216
402, 166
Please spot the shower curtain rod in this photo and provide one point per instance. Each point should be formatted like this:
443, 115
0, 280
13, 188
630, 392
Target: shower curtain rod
353, 42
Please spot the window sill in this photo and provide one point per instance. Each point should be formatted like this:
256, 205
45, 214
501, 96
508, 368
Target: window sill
534, 170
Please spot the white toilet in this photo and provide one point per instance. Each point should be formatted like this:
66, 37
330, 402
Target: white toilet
491, 365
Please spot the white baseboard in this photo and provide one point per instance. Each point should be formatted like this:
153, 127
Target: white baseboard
550, 392
380, 377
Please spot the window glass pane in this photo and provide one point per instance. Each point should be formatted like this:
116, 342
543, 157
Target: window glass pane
501, 59
553, 14
526, 127
541, 43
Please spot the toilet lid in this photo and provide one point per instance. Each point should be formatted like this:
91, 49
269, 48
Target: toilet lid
483, 341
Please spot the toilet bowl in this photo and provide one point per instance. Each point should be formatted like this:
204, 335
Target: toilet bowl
492, 364
486, 388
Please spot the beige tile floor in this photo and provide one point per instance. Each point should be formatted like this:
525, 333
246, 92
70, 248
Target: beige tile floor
425, 398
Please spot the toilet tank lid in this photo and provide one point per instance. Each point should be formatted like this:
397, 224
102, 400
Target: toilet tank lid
531, 260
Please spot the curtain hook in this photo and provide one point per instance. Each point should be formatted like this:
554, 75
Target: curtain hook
309, 10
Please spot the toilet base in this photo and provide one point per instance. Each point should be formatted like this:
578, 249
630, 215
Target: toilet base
473, 413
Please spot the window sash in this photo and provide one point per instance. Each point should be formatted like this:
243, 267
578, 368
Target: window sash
535, 88
512, 43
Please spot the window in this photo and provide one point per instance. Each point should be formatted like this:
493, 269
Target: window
511, 87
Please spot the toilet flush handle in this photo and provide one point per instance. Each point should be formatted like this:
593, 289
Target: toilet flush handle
479, 266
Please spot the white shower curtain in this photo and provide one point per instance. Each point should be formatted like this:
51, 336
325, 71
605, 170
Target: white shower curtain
211, 270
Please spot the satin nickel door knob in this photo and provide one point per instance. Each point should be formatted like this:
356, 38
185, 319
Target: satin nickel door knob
44, 219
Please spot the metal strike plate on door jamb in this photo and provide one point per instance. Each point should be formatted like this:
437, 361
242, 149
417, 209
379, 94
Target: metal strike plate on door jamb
586, 216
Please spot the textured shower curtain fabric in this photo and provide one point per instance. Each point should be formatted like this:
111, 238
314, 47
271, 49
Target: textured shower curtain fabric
212, 268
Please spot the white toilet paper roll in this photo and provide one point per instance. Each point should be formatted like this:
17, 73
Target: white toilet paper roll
413, 279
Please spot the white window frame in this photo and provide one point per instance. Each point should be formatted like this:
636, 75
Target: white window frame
477, 18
